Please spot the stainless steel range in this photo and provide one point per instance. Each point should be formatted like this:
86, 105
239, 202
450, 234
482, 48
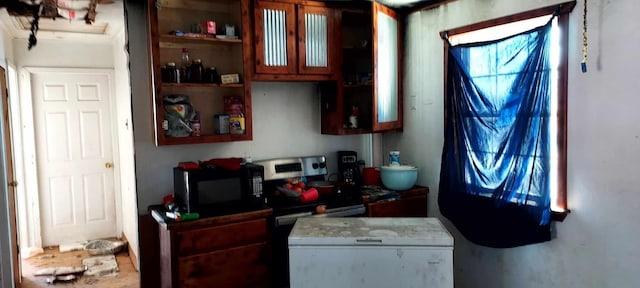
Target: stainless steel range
343, 202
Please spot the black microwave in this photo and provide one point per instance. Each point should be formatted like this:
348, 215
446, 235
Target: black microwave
198, 189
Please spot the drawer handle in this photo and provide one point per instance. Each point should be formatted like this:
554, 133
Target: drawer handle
368, 241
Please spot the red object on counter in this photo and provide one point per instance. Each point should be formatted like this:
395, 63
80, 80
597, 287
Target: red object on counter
167, 199
232, 164
371, 176
309, 195
189, 165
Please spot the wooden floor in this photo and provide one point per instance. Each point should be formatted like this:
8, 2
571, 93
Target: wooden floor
127, 275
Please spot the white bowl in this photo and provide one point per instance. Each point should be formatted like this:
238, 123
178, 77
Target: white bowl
399, 178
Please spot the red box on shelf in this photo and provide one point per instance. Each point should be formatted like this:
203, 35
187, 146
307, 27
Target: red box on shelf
233, 105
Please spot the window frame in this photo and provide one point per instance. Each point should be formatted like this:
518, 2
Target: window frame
562, 10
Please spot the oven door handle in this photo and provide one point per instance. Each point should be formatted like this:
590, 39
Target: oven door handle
290, 219
351, 212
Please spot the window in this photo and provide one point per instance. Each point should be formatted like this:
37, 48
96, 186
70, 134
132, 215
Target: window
514, 24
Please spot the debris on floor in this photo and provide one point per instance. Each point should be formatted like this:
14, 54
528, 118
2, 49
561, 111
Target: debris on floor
62, 278
101, 266
46, 256
71, 247
104, 247
53, 271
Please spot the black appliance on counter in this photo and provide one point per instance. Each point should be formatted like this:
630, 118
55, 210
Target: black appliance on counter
209, 187
286, 210
348, 169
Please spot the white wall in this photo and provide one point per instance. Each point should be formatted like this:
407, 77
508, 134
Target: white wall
126, 169
62, 53
286, 122
597, 245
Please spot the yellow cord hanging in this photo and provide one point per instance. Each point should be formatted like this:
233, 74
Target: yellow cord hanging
584, 39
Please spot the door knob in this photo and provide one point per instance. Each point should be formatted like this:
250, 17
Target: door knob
13, 184
108, 164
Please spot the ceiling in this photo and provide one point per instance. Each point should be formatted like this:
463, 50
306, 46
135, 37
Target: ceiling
108, 23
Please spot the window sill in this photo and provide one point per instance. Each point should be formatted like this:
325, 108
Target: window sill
559, 216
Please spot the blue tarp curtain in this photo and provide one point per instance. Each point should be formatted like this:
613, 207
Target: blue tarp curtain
494, 181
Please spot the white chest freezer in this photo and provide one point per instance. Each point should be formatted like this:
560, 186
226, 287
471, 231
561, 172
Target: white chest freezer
370, 253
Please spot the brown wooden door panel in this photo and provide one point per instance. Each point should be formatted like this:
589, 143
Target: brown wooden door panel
405, 207
221, 237
245, 266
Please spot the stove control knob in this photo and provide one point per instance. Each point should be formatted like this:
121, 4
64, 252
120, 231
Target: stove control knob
314, 165
323, 165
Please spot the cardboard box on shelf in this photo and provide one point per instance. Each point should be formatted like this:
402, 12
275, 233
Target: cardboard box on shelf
233, 105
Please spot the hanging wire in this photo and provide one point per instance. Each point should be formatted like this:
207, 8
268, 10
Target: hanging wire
584, 39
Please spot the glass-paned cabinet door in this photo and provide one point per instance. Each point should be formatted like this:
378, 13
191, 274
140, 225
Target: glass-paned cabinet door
315, 28
387, 69
275, 37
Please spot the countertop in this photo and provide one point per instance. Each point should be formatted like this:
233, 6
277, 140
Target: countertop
229, 210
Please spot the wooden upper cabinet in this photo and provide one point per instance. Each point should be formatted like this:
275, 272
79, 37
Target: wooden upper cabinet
226, 54
293, 41
368, 97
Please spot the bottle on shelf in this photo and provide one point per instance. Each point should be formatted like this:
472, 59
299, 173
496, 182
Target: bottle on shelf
185, 67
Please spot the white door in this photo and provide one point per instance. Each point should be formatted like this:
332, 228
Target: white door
74, 155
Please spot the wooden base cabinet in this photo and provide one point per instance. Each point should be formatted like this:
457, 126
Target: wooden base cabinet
225, 251
412, 203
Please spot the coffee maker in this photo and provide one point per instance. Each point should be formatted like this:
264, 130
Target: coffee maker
348, 170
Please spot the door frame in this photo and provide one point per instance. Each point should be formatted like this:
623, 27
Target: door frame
10, 181
32, 229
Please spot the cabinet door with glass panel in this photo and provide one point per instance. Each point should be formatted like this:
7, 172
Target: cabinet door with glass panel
293, 40
368, 96
198, 64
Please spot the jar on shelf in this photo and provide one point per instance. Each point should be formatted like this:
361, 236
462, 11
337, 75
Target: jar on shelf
211, 75
197, 71
173, 74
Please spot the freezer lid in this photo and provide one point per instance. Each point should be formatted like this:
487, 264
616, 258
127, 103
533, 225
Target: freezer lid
363, 231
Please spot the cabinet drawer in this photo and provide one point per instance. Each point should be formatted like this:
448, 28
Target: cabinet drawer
221, 237
245, 266
405, 207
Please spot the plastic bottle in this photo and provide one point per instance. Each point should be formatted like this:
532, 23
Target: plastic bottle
185, 67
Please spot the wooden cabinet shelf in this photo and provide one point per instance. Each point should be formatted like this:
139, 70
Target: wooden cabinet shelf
355, 86
204, 139
204, 85
203, 40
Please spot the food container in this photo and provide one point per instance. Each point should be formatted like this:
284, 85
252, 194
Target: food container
236, 124
399, 178
394, 158
221, 123
230, 78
